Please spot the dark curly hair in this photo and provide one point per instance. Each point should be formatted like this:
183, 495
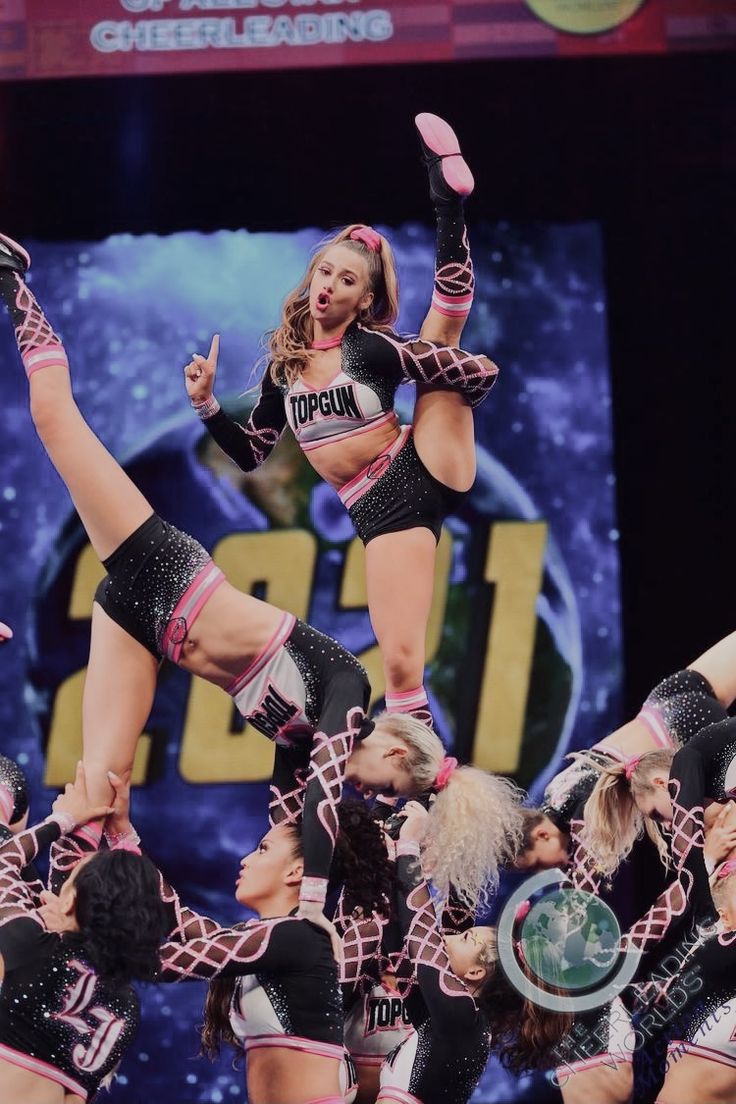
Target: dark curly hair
360, 864
122, 920
524, 1035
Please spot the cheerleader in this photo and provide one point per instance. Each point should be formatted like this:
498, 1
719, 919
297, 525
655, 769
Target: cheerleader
334, 365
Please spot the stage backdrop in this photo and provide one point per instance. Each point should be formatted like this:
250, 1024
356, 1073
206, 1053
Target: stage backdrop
523, 645
57, 38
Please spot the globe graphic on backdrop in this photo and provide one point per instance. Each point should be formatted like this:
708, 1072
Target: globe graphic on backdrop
570, 939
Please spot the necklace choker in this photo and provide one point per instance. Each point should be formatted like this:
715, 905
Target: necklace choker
331, 343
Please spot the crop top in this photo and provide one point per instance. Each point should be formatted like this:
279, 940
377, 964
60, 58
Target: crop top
286, 992
359, 397
58, 1018
308, 694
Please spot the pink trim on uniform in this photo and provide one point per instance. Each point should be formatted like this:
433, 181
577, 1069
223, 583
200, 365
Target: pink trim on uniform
310, 386
7, 804
189, 607
327, 1100
283, 632
702, 1052
388, 1092
652, 720
406, 700
43, 1069
384, 419
90, 832
295, 1042
452, 306
354, 490
45, 357
605, 1059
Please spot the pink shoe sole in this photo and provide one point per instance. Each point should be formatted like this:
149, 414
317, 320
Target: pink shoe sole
16, 248
440, 138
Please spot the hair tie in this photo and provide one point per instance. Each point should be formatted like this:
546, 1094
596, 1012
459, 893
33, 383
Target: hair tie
366, 727
449, 763
630, 765
368, 236
726, 869
522, 911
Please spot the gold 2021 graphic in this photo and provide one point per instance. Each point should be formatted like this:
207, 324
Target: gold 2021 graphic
280, 565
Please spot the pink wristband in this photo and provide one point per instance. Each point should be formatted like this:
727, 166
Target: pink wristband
124, 841
92, 833
206, 409
313, 890
66, 822
407, 847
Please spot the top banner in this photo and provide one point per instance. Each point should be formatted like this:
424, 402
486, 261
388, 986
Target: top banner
59, 38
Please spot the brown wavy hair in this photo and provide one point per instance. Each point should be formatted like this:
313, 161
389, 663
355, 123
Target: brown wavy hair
360, 863
524, 1035
288, 346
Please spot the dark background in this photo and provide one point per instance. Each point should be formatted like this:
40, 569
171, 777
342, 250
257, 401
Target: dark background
641, 144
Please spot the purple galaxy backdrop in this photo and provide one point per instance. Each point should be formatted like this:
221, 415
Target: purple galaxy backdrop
131, 311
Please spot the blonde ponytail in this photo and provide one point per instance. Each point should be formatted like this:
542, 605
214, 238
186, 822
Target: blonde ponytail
475, 822
612, 822
475, 827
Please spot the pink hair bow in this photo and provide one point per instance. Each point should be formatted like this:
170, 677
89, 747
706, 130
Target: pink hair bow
368, 236
449, 764
523, 911
631, 764
727, 868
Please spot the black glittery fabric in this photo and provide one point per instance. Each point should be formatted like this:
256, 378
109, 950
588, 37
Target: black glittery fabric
686, 703
15, 782
147, 576
405, 496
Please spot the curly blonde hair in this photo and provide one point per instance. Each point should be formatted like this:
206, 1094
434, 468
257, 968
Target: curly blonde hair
289, 345
475, 822
612, 822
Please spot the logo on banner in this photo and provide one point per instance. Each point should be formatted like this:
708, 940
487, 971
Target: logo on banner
585, 17
564, 952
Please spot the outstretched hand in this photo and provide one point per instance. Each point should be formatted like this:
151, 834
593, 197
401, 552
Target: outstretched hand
6, 633
76, 802
199, 373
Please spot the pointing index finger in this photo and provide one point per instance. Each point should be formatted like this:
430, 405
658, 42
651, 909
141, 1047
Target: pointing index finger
214, 348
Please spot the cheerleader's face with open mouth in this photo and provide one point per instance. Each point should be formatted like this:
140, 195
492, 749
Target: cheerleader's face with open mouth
339, 289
